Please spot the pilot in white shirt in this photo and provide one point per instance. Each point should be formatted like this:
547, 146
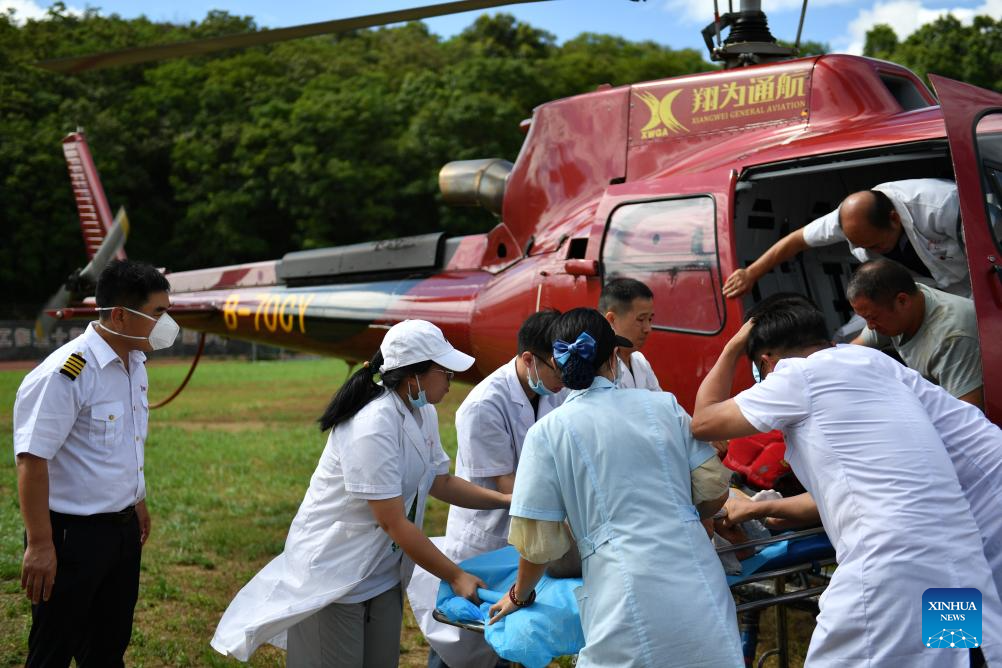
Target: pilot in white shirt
80, 421
628, 305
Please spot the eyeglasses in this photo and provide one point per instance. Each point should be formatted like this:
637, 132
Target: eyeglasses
448, 374
545, 363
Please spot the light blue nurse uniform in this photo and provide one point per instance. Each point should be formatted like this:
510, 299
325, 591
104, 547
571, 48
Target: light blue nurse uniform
616, 464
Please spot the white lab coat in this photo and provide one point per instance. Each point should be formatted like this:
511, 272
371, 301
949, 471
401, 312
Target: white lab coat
974, 445
929, 210
865, 448
334, 544
491, 425
641, 377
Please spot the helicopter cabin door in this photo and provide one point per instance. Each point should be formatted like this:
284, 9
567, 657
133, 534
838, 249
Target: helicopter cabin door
973, 119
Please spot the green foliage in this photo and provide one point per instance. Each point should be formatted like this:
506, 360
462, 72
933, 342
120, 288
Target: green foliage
881, 42
970, 53
246, 155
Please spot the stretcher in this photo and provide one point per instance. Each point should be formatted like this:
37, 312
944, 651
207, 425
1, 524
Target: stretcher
790, 571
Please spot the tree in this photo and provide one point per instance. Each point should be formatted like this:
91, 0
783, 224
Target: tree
881, 42
971, 53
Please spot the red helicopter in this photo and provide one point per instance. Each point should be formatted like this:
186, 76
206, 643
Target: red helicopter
676, 182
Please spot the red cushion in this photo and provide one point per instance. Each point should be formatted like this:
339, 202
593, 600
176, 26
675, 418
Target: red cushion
761, 458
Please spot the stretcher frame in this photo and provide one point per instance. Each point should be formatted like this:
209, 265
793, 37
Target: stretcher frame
797, 586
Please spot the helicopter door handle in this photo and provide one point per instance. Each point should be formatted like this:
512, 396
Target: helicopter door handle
581, 267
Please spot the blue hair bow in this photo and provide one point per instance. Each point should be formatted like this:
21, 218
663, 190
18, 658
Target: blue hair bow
583, 347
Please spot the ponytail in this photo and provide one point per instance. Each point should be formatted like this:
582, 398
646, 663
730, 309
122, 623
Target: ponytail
358, 390
361, 388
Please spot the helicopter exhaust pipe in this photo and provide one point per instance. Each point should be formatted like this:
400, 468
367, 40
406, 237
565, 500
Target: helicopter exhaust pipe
475, 183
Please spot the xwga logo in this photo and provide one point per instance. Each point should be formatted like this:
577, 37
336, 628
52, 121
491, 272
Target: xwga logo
662, 121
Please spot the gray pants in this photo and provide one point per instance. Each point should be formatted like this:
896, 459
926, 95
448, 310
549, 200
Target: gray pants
350, 635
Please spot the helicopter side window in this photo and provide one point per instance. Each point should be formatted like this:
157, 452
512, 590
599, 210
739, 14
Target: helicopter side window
670, 245
989, 133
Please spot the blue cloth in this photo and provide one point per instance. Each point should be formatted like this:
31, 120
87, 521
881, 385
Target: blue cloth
617, 465
533, 636
551, 627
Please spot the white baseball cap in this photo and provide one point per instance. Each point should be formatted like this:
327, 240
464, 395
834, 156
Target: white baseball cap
413, 341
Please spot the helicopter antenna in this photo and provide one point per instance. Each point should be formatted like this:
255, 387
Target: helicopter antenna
800, 29
716, 20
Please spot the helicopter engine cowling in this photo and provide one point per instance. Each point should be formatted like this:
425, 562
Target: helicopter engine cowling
475, 183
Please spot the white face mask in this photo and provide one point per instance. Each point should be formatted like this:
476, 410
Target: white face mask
162, 336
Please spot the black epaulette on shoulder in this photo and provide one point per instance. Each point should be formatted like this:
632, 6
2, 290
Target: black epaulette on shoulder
73, 365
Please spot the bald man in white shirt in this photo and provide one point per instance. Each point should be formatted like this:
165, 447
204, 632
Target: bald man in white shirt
915, 222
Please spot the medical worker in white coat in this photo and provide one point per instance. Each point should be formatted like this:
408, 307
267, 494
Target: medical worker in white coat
915, 222
490, 427
336, 589
890, 500
628, 305
974, 444
624, 470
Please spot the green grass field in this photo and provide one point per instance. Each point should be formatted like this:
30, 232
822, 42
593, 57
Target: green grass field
227, 464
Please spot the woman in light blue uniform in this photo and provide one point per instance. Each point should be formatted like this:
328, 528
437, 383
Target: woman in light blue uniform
625, 472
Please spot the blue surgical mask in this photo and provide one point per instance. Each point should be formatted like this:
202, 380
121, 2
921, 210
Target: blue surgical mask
619, 371
421, 399
755, 374
537, 385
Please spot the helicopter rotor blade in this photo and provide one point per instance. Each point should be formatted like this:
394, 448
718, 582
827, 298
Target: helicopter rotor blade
71, 289
75, 64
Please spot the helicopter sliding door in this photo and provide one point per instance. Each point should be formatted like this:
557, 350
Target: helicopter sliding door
974, 127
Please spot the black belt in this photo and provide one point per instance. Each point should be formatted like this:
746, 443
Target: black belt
121, 517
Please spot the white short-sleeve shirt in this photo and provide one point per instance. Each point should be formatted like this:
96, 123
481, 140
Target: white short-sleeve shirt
641, 377
491, 425
974, 444
89, 421
929, 210
866, 449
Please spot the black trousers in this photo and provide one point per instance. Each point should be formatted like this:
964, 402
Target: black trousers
89, 615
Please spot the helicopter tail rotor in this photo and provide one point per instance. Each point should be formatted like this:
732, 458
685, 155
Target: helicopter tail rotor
82, 281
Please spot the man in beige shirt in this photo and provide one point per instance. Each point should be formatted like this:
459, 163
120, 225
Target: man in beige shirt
934, 333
